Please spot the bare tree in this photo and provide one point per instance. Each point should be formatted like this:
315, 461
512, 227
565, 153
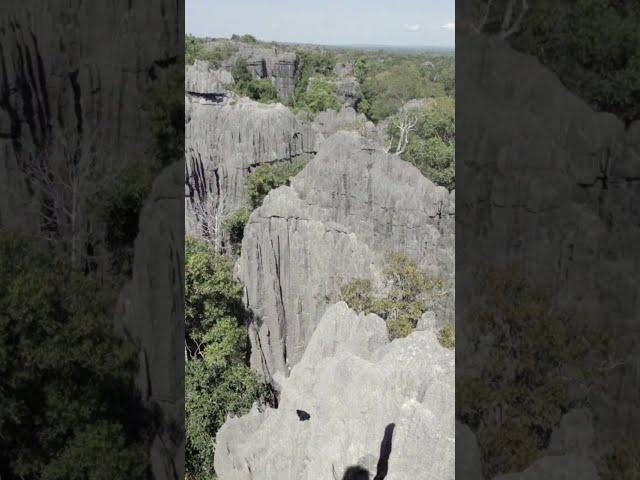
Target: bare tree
510, 23
63, 178
405, 122
208, 211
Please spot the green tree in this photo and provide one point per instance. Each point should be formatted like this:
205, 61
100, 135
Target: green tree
406, 292
269, 176
431, 145
234, 225
538, 360
592, 45
192, 48
241, 73
218, 380
387, 91
319, 97
65, 375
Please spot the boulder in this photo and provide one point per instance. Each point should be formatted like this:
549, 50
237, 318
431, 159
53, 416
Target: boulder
367, 402
349, 207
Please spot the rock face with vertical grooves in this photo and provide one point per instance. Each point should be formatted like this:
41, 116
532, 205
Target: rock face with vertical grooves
71, 88
202, 81
224, 142
559, 203
349, 207
352, 384
150, 313
275, 64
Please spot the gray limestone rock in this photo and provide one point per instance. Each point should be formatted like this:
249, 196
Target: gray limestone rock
349, 207
559, 202
575, 434
276, 64
468, 459
201, 80
150, 313
223, 143
329, 122
353, 384
563, 467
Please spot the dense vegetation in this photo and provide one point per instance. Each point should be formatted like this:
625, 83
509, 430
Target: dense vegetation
195, 49
405, 296
218, 379
431, 142
593, 46
269, 176
524, 387
65, 375
246, 85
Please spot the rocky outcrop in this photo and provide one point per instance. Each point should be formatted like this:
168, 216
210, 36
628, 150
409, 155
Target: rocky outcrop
203, 82
76, 88
150, 313
278, 65
349, 207
348, 91
224, 142
354, 399
558, 203
329, 122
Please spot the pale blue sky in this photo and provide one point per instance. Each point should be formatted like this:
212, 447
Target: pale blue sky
329, 22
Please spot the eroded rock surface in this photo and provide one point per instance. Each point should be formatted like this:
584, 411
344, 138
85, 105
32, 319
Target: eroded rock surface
224, 142
150, 313
341, 216
276, 64
558, 202
354, 385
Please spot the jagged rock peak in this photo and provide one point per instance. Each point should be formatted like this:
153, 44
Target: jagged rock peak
358, 391
341, 216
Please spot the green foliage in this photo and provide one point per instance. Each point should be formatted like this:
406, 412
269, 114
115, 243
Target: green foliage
246, 38
215, 54
234, 225
523, 388
358, 294
241, 73
218, 380
309, 64
320, 96
387, 91
593, 46
68, 407
407, 290
192, 48
117, 205
211, 292
431, 145
269, 176
447, 336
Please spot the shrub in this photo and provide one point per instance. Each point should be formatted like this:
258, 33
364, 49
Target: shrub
358, 294
321, 96
431, 145
447, 336
234, 225
405, 294
261, 90
523, 389
241, 73
269, 176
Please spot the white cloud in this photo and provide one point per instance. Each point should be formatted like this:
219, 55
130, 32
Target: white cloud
449, 26
412, 28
